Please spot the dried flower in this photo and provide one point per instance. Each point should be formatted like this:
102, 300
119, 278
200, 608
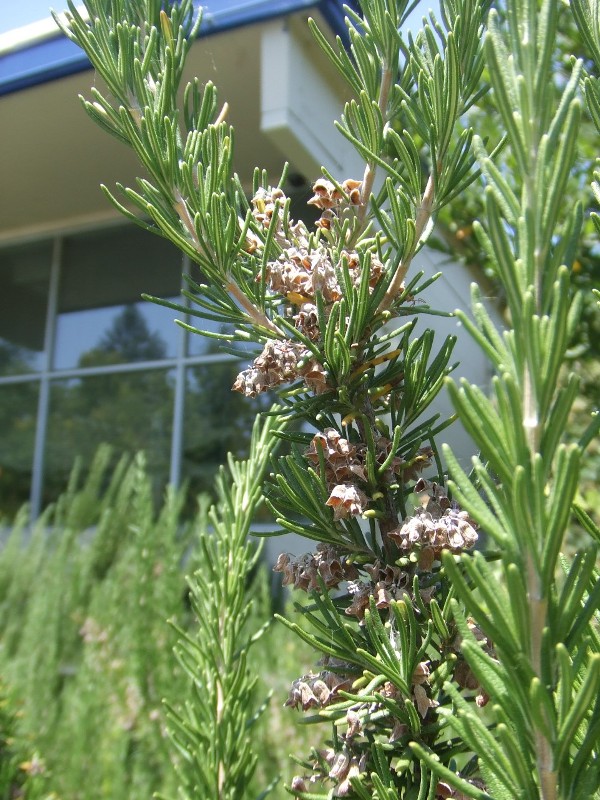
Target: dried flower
277, 363
307, 321
347, 500
316, 691
304, 571
421, 673
351, 189
314, 376
354, 723
360, 592
325, 195
264, 203
411, 470
299, 273
439, 524
376, 268
343, 460
423, 701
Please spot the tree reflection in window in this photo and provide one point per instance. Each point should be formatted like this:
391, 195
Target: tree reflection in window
131, 411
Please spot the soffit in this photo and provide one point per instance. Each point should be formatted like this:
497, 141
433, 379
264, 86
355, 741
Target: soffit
53, 157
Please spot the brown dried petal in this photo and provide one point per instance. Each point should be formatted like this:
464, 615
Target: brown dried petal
421, 673
325, 220
345, 786
426, 559
352, 188
464, 676
340, 766
398, 731
314, 376
354, 723
423, 701
382, 595
360, 592
411, 471
347, 500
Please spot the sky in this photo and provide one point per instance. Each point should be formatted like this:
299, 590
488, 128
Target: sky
15, 14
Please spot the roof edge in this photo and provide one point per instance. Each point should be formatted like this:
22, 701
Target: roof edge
44, 54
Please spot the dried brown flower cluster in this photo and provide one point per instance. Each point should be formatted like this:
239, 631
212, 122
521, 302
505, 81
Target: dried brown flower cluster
387, 583
305, 572
350, 760
438, 525
317, 691
281, 362
331, 200
339, 766
345, 469
304, 269
463, 673
344, 466
277, 363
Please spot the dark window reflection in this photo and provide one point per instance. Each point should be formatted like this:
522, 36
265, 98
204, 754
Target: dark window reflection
18, 416
130, 411
217, 421
24, 282
103, 277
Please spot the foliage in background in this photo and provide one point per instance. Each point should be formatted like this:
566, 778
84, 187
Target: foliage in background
214, 730
443, 674
86, 654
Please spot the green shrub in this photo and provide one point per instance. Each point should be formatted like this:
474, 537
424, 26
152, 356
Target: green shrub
85, 594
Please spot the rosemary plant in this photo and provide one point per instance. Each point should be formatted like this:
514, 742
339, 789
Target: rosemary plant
212, 730
442, 674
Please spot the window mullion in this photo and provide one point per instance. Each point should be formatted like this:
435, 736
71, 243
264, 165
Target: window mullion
179, 399
44, 398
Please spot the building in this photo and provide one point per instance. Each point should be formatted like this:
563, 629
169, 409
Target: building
82, 358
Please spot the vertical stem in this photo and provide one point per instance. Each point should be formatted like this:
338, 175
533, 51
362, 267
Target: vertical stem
255, 314
371, 169
422, 218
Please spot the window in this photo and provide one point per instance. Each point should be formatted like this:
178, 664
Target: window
84, 360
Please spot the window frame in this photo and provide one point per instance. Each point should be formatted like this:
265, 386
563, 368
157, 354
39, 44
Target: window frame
44, 377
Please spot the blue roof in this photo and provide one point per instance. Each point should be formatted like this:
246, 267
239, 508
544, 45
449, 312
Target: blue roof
58, 57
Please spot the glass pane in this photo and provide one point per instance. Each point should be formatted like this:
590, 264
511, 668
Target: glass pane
130, 411
24, 280
18, 415
217, 421
102, 319
203, 345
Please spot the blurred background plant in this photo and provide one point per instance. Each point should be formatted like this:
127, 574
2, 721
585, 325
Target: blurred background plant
86, 654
